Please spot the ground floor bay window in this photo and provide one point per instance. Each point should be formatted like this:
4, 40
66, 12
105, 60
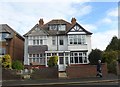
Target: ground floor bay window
78, 58
67, 58
38, 59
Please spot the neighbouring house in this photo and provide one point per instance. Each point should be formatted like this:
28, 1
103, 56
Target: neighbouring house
70, 41
11, 42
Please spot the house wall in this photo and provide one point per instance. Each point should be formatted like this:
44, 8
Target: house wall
16, 48
89, 47
26, 62
54, 47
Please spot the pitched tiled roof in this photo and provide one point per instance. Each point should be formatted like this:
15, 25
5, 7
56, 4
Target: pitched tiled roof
37, 49
36, 33
45, 27
87, 32
4, 28
56, 21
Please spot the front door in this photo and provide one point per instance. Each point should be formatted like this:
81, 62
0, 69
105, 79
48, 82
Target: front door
61, 64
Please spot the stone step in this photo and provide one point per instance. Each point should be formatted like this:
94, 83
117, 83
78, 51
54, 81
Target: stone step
62, 75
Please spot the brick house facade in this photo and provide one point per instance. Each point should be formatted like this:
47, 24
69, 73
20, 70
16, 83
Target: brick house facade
12, 43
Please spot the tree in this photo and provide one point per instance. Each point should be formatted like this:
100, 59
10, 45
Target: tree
6, 61
113, 44
17, 65
53, 61
111, 54
94, 56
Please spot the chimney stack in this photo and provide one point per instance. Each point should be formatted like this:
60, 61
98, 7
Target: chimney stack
73, 20
41, 22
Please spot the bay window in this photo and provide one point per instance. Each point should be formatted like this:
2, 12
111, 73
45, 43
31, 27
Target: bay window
37, 40
76, 39
78, 57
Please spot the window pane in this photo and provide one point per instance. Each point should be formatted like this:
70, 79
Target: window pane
85, 60
37, 55
79, 41
80, 59
53, 54
75, 54
33, 59
61, 27
71, 42
61, 54
33, 55
30, 55
76, 59
61, 42
53, 42
71, 59
30, 60
75, 40
37, 42
66, 60
41, 42
2, 51
48, 54
80, 54
40, 55
33, 42
61, 61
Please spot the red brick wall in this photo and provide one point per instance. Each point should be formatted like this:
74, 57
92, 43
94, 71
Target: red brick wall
45, 73
34, 66
15, 48
78, 71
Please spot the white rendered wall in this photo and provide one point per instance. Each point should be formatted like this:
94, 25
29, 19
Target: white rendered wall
26, 62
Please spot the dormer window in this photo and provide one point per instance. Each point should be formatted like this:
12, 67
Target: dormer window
3, 36
53, 27
59, 27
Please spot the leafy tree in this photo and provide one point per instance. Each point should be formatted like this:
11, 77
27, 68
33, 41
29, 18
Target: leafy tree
94, 56
110, 56
53, 61
6, 61
113, 44
17, 65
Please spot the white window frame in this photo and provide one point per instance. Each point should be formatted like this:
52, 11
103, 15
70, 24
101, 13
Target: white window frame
53, 40
61, 38
38, 59
84, 58
76, 39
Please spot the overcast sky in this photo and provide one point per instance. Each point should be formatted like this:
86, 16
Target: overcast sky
100, 18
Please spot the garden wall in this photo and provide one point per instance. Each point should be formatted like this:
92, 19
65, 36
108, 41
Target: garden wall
45, 73
81, 71
8, 74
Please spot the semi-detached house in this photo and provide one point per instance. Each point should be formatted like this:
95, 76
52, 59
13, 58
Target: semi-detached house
69, 41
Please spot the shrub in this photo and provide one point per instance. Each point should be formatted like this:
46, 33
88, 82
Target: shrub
17, 65
112, 67
110, 58
94, 56
6, 61
53, 61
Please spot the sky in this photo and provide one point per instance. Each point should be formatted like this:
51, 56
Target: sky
97, 16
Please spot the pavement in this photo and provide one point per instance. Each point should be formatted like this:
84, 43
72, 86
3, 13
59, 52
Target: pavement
61, 81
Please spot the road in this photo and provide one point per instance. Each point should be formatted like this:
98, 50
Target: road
99, 84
